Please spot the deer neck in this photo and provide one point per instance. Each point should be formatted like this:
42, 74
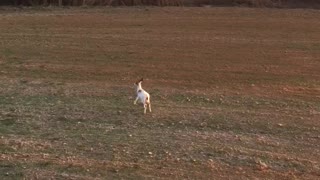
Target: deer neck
139, 88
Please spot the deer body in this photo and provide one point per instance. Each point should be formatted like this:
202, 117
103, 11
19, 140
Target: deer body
142, 96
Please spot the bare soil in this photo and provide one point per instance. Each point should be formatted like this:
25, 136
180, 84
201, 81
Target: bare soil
235, 93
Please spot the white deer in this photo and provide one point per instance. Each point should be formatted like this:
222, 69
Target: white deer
143, 96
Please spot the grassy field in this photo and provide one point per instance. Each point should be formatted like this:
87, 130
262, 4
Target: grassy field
235, 93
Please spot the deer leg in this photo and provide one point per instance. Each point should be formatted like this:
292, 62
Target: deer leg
149, 106
145, 108
135, 101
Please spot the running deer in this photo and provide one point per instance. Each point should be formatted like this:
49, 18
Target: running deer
142, 96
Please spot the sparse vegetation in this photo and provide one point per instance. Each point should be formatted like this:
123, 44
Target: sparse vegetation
249, 3
235, 93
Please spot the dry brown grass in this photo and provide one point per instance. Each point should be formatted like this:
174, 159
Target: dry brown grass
235, 93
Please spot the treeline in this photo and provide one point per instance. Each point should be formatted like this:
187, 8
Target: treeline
251, 3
